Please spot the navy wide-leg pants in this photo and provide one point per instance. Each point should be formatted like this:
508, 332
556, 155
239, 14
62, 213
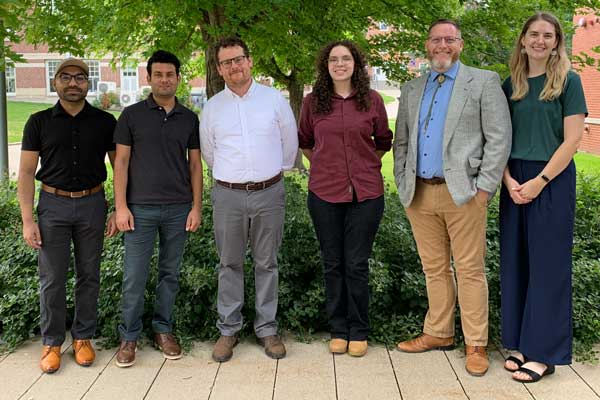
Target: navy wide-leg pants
536, 241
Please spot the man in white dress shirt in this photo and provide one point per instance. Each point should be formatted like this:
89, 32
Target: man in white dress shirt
248, 136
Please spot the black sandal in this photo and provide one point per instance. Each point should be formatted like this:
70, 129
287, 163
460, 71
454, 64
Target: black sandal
516, 361
534, 375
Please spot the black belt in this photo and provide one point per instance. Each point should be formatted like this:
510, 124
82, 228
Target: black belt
73, 195
432, 181
252, 186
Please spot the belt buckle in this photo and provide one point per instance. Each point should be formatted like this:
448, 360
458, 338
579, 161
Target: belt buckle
248, 184
77, 195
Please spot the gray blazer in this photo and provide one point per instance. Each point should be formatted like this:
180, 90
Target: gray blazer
477, 135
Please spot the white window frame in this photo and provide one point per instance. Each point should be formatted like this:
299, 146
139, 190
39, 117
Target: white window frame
128, 70
94, 76
11, 75
51, 66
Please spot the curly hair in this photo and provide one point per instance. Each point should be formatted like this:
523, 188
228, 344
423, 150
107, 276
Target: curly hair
323, 88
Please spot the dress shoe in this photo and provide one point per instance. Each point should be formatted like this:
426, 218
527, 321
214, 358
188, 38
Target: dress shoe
273, 345
477, 362
426, 342
50, 361
167, 343
84, 352
338, 346
126, 354
223, 350
357, 348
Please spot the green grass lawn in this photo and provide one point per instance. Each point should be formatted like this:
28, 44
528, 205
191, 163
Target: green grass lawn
18, 113
387, 99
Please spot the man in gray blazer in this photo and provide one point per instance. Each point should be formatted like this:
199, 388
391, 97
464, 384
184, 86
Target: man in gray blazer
453, 137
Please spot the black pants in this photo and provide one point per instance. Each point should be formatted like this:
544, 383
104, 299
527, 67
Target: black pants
346, 232
62, 220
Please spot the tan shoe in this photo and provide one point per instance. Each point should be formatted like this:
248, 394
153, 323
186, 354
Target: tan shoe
338, 346
477, 362
84, 352
167, 343
126, 354
50, 360
426, 342
273, 345
357, 348
223, 350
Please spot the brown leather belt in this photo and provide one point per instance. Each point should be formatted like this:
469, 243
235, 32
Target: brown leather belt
252, 186
432, 181
73, 195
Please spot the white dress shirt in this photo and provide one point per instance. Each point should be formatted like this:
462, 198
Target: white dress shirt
249, 138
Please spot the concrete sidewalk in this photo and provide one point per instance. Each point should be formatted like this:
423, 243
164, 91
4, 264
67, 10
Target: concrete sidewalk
308, 372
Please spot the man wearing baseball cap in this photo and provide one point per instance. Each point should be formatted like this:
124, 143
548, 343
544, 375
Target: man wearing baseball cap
71, 141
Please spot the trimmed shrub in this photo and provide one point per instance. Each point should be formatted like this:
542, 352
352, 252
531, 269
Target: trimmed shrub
398, 297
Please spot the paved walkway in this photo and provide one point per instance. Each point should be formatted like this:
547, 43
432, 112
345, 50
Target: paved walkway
308, 372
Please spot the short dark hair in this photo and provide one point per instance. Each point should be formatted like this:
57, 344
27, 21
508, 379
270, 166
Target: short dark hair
442, 21
163, 57
230, 41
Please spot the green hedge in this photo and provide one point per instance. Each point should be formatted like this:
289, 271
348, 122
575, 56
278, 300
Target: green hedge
397, 284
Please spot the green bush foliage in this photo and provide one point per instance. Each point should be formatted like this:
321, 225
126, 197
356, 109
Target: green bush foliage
398, 297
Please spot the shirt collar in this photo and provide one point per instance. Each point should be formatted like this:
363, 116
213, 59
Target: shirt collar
151, 103
59, 110
351, 95
451, 73
251, 89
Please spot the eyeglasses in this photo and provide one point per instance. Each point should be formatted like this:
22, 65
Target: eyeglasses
235, 60
448, 39
344, 60
79, 78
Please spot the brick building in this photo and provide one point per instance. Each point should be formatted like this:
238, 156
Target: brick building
31, 80
587, 36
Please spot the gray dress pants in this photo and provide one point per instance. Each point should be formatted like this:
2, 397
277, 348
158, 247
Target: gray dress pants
239, 215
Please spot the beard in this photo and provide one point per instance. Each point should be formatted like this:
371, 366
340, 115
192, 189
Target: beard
72, 95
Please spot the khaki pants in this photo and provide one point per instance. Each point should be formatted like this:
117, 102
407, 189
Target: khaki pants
442, 229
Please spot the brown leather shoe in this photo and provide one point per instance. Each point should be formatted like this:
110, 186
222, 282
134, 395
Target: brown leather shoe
358, 348
223, 350
126, 354
273, 345
426, 342
84, 352
167, 343
477, 362
50, 361
338, 346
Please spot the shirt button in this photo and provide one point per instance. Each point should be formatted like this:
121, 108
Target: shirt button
423, 172
74, 147
425, 154
74, 162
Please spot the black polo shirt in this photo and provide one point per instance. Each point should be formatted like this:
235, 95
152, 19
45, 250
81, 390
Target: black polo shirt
72, 149
158, 168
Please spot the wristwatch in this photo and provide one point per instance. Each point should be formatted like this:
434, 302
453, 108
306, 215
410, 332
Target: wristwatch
544, 177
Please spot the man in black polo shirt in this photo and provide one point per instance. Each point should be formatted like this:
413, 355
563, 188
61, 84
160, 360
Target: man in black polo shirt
158, 189
71, 140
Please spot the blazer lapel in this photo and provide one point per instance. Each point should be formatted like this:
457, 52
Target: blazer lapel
414, 107
460, 94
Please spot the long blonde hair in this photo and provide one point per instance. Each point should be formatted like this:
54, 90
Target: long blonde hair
557, 67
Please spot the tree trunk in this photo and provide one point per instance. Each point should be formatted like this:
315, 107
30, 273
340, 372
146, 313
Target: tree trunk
296, 91
214, 18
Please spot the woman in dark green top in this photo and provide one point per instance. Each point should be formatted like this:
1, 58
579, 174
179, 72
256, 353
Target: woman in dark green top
537, 201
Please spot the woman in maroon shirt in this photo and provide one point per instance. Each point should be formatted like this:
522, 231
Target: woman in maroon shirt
344, 133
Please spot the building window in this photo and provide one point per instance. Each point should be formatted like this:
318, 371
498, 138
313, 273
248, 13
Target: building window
11, 82
51, 66
94, 76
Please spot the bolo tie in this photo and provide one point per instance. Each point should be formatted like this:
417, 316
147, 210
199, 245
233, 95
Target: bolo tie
441, 78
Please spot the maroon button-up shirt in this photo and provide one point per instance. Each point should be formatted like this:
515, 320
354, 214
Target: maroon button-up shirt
344, 144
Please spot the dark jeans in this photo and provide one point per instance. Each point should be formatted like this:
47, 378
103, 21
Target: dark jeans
168, 221
346, 232
63, 220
